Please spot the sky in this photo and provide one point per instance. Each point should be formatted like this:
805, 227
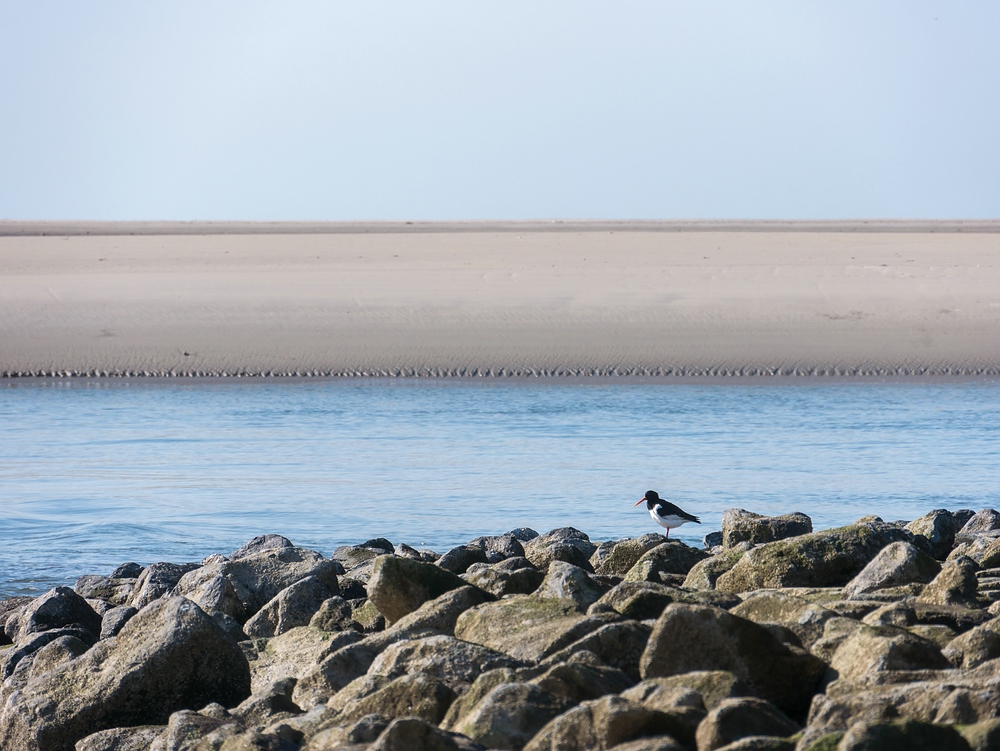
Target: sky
540, 109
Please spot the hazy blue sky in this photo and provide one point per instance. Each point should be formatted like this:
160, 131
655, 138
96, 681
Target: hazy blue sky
506, 109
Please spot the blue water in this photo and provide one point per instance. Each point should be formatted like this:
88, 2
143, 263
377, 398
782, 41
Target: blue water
95, 473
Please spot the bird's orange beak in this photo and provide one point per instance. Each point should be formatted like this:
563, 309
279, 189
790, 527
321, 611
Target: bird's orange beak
638, 502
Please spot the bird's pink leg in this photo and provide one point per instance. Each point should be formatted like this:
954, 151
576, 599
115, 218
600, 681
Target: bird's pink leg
668, 532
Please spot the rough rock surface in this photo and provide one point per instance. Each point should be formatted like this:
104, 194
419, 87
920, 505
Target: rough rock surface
734, 719
399, 586
740, 525
690, 637
897, 563
820, 559
170, 656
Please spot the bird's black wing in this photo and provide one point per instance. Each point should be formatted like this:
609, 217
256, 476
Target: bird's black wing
668, 509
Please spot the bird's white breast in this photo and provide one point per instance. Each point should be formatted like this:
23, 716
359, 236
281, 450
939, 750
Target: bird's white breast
668, 522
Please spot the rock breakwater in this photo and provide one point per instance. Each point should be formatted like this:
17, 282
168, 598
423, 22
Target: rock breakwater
774, 636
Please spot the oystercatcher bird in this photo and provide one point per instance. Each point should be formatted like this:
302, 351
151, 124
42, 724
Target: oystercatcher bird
665, 513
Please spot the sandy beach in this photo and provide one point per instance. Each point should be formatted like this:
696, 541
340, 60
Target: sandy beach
514, 299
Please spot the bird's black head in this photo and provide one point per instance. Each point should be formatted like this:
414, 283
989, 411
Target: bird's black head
651, 498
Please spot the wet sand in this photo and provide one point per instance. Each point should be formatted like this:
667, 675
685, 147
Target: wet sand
669, 299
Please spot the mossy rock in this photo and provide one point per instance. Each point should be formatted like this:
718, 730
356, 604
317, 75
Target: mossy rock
401, 585
821, 559
705, 573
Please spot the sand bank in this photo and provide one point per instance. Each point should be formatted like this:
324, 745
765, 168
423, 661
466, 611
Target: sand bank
518, 298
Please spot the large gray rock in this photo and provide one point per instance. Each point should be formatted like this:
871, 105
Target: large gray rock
713, 686
413, 734
157, 580
740, 525
398, 586
974, 647
509, 577
58, 608
704, 574
868, 649
510, 715
563, 544
616, 557
114, 591
896, 564
458, 559
618, 645
902, 735
455, 662
527, 627
566, 581
582, 677
938, 528
689, 637
239, 588
413, 695
982, 521
121, 739
293, 606
339, 667
114, 620
669, 558
734, 719
820, 559
170, 656
956, 584
293, 654
646, 600
500, 547
261, 544
804, 618
601, 724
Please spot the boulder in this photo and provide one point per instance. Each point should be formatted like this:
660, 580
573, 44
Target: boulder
684, 706
820, 559
115, 619
170, 656
269, 705
646, 600
896, 564
876, 648
734, 719
975, 646
499, 547
564, 544
115, 591
335, 614
982, 521
240, 588
669, 557
740, 525
156, 581
480, 687
505, 579
938, 528
510, 715
121, 739
414, 695
616, 557
130, 570
581, 678
261, 544
412, 734
705, 573
955, 585
455, 662
566, 581
341, 666
713, 686
805, 619
293, 606
11, 658
690, 637
457, 560
599, 725
58, 608
527, 627
618, 645
399, 586
902, 735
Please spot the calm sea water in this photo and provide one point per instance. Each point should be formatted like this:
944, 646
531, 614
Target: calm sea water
95, 473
